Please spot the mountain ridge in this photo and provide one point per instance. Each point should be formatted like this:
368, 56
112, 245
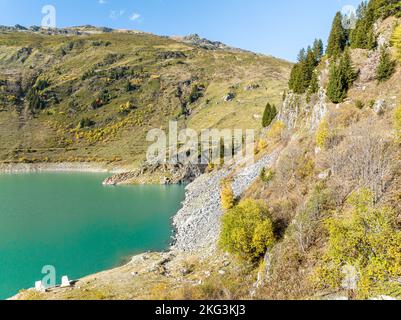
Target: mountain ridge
192, 39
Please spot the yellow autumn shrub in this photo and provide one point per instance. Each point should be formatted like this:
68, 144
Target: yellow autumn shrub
397, 122
227, 195
276, 131
322, 134
247, 230
366, 239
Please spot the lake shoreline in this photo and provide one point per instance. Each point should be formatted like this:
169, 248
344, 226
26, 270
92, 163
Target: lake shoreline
67, 167
197, 228
96, 183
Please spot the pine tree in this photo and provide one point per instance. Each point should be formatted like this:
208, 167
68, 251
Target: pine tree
348, 72
363, 35
335, 91
269, 114
314, 84
310, 65
342, 75
386, 66
301, 74
318, 49
385, 8
338, 37
296, 79
301, 55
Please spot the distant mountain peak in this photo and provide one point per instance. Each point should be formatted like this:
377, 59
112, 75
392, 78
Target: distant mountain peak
196, 40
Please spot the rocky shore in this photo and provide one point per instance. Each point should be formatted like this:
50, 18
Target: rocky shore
16, 168
158, 174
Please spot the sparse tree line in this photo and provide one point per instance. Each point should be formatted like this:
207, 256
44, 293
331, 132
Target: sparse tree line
303, 75
342, 74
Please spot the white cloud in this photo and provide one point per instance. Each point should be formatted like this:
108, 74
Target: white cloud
135, 16
115, 14
102, 1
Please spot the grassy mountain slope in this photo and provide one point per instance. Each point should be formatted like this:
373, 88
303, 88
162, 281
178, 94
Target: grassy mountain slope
320, 172
97, 94
331, 197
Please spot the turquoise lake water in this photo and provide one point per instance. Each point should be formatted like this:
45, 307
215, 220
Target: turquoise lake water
72, 222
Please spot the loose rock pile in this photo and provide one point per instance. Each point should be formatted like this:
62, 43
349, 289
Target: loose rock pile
198, 222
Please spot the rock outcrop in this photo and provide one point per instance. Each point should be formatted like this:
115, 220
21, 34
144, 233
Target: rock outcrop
296, 110
319, 110
196, 40
168, 174
290, 110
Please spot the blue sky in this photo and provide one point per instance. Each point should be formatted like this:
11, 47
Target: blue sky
277, 27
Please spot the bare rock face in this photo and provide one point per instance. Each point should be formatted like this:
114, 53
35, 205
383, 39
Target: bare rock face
296, 109
379, 106
368, 69
290, 110
384, 30
319, 110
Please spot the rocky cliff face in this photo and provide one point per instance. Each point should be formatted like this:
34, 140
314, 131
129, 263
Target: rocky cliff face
297, 111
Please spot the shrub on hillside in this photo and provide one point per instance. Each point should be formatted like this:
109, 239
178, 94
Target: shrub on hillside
322, 134
104, 97
35, 99
227, 195
88, 74
128, 86
276, 131
365, 239
196, 93
261, 145
306, 227
86, 123
397, 120
364, 158
305, 168
266, 175
359, 104
126, 108
247, 230
41, 84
